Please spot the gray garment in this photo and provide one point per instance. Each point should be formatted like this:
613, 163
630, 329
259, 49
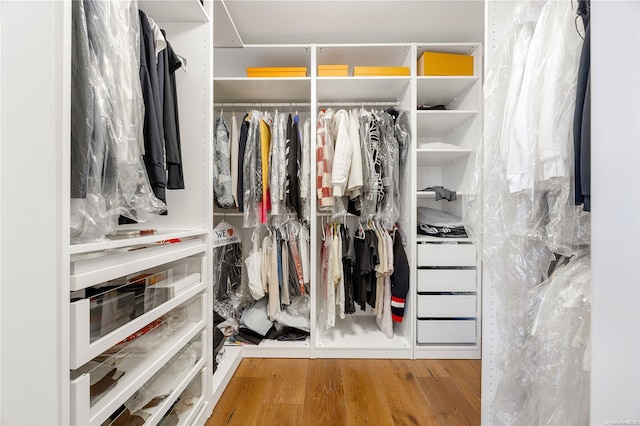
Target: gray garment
171, 124
222, 165
82, 114
582, 126
442, 193
153, 129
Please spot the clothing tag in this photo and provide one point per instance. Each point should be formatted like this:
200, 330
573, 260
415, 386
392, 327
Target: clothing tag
225, 234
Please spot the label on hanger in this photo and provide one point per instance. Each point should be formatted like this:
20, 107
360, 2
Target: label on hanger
225, 234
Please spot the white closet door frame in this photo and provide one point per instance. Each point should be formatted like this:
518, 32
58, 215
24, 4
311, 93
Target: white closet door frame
615, 178
35, 127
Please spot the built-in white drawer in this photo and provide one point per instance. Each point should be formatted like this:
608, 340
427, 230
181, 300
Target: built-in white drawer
447, 306
451, 280
446, 254
447, 331
103, 315
101, 386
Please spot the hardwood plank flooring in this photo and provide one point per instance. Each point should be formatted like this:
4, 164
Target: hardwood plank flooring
351, 392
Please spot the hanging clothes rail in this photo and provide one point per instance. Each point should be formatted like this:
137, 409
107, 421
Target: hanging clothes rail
356, 103
261, 104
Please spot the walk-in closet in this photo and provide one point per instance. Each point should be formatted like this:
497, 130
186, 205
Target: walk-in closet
352, 194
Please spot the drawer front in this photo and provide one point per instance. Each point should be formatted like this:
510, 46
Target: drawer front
431, 280
446, 306
446, 331
446, 255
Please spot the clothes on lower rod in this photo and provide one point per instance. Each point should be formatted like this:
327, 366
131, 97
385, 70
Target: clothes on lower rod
363, 275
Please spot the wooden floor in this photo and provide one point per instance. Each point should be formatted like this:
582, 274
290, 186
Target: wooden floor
334, 392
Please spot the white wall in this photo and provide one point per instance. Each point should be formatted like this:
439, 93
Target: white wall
32, 130
615, 158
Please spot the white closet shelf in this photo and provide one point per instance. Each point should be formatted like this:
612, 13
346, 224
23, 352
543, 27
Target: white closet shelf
431, 195
349, 338
82, 351
439, 351
426, 157
262, 89
442, 90
92, 271
232, 213
429, 239
277, 349
130, 242
457, 48
439, 123
174, 10
366, 89
138, 370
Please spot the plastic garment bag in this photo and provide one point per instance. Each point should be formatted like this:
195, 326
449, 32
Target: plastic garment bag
230, 294
254, 269
518, 211
222, 164
109, 177
548, 383
252, 173
389, 209
403, 136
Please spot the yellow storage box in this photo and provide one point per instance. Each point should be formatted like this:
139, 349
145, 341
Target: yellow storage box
333, 70
277, 72
380, 71
436, 63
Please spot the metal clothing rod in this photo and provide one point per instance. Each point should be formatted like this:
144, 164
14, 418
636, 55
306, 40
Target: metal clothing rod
260, 104
354, 103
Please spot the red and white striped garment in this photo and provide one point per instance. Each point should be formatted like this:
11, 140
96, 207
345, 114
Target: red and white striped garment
324, 158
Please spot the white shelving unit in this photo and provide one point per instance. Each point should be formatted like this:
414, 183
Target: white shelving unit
447, 280
359, 336
235, 93
54, 334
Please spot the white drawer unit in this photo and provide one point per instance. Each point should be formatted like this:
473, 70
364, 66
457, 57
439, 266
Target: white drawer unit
447, 331
446, 254
447, 306
118, 308
131, 366
448, 311
189, 408
446, 280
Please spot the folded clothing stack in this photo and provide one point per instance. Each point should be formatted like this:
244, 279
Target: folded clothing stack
439, 224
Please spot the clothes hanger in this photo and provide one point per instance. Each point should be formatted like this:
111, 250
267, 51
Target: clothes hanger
183, 61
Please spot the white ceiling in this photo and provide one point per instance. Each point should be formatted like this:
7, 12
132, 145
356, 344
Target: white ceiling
239, 22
